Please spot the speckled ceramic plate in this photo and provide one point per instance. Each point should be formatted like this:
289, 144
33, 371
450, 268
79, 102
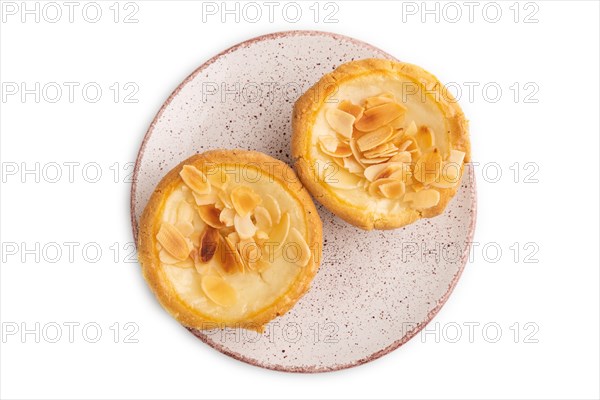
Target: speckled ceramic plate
375, 290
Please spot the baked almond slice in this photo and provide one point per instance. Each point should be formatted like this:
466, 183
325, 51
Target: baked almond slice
342, 150
353, 109
425, 138
280, 231
218, 179
428, 167
355, 152
226, 216
219, 291
342, 179
209, 242
340, 121
296, 238
244, 200
402, 156
205, 199
378, 150
244, 226
374, 186
411, 129
397, 171
378, 116
195, 179
167, 258
374, 138
263, 219
211, 215
272, 205
230, 258
328, 143
377, 160
393, 190
426, 198
353, 166
449, 176
373, 171
456, 157
173, 241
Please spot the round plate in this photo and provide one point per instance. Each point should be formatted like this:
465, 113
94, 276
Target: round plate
375, 290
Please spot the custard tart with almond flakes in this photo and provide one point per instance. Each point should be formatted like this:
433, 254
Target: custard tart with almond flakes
229, 237
380, 143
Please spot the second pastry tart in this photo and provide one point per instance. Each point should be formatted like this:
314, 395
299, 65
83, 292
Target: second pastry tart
380, 143
229, 238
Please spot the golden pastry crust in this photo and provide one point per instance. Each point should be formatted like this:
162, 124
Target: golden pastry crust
305, 113
150, 222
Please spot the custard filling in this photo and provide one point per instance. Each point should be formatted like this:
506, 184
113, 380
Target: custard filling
232, 240
382, 144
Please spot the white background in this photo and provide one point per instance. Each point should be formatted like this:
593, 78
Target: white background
558, 295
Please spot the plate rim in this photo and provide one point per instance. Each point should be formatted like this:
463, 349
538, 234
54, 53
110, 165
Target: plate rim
252, 361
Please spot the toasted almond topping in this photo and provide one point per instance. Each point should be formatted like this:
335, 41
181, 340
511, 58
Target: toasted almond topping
353, 166
231, 260
272, 205
205, 199
328, 143
342, 150
456, 157
219, 291
340, 121
244, 226
218, 179
449, 176
226, 216
166, 258
411, 129
225, 199
428, 167
377, 160
244, 200
211, 216
296, 237
394, 170
402, 156
405, 145
356, 152
353, 109
424, 199
195, 179
381, 150
374, 138
173, 241
425, 138
379, 116
262, 235
263, 218
185, 228
373, 171
392, 190
398, 123
208, 244
280, 231
374, 187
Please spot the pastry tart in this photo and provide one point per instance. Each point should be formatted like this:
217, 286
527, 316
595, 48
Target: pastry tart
229, 238
380, 143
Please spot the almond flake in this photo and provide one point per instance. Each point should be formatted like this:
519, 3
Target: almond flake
374, 187
371, 102
340, 121
353, 109
377, 160
374, 138
456, 157
173, 241
373, 171
263, 218
342, 150
342, 179
211, 216
412, 129
226, 216
218, 179
425, 138
296, 238
428, 167
244, 226
353, 166
273, 207
402, 156
208, 244
205, 199
195, 179
328, 143
244, 200
356, 152
280, 231
219, 291
379, 116
392, 190
230, 258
